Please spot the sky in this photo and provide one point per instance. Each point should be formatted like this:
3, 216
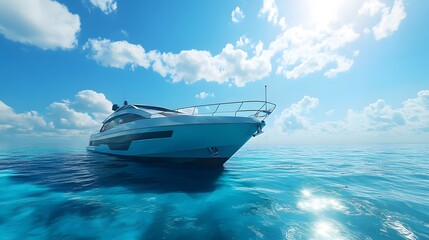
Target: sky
340, 72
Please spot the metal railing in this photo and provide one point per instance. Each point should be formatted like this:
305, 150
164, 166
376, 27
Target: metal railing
257, 109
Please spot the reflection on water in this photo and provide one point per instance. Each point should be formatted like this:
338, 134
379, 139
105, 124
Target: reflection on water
399, 228
326, 230
79, 172
311, 203
323, 228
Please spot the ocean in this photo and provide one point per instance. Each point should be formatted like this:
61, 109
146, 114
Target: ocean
290, 192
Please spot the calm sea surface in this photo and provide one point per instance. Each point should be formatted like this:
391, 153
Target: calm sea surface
311, 192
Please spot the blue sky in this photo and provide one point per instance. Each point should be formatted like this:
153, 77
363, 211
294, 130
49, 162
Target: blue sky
339, 71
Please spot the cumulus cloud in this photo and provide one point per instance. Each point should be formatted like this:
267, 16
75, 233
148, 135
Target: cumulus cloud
372, 7
92, 102
390, 17
21, 122
295, 116
66, 118
296, 52
42, 23
305, 51
231, 64
377, 122
203, 95
237, 15
88, 110
258, 48
416, 111
117, 54
242, 41
379, 116
343, 65
382, 117
390, 20
270, 10
106, 6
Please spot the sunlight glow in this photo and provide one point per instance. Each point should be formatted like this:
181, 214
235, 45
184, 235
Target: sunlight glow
322, 13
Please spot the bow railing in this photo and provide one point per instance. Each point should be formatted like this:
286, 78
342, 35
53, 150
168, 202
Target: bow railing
257, 109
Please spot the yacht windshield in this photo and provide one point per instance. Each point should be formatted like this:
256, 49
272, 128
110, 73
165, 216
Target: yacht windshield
161, 109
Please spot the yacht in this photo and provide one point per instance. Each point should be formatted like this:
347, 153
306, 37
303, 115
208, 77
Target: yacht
204, 134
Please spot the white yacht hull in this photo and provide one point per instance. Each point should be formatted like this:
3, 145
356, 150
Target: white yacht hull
184, 139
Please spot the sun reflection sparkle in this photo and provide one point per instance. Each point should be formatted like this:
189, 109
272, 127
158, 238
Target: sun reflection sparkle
326, 230
311, 203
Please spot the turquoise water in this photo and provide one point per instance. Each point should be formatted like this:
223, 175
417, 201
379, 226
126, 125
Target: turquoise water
338, 192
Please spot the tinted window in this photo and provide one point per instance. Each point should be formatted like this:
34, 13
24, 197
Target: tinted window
129, 117
121, 119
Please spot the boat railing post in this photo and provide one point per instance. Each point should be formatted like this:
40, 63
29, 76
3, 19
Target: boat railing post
239, 108
216, 109
260, 109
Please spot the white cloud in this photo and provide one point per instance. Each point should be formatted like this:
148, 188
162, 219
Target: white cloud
343, 65
237, 15
390, 20
203, 95
376, 117
270, 9
296, 52
88, 110
243, 41
416, 111
366, 30
324, 13
66, 117
94, 103
376, 123
390, 17
258, 48
63, 119
305, 51
372, 7
189, 65
381, 116
21, 122
125, 33
107, 6
294, 117
5, 126
231, 64
42, 23
117, 54
330, 112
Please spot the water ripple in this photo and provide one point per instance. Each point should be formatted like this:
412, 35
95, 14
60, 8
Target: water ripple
306, 192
